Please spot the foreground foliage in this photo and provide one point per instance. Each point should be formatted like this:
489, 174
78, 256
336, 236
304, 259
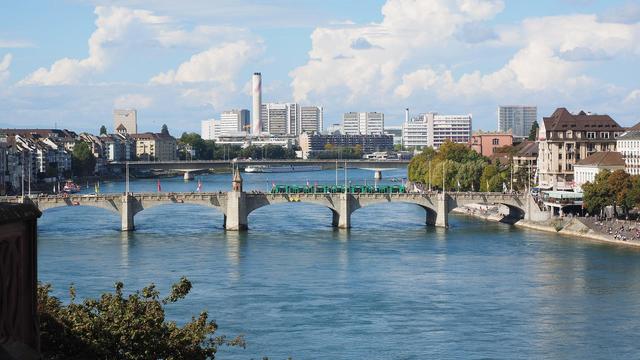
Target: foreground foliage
116, 326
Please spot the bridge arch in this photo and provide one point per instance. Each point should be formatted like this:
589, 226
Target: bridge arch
430, 209
515, 204
314, 213
257, 201
111, 206
178, 215
141, 204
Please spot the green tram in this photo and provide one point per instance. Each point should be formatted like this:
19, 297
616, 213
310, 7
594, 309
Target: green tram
333, 189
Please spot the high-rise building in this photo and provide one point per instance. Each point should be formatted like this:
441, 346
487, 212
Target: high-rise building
128, 119
280, 119
257, 103
234, 121
293, 119
432, 129
365, 123
518, 119
311, 119
210, 129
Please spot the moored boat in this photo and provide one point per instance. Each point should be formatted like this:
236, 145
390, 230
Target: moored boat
70, 187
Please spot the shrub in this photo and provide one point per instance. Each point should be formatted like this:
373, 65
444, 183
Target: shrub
116, 326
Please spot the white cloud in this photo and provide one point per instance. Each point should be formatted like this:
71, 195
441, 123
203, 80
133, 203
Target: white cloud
422, 79
133, 101
113, 25
335, 65
218, 64
545, 59
14, 44
633, 97
4, 67
119, 27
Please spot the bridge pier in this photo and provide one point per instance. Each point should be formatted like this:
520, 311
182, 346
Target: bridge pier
442, 215
342, 217
235, 216
377, 175
127, 213
188, 175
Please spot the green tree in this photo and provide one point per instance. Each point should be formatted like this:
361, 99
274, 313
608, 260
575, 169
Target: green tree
620, 184
533, 133
116, 326
83, 162
597, 195
492, 179
103, 130
195, 141
164, 130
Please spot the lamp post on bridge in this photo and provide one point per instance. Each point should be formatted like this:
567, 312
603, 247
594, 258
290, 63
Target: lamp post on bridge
127, 178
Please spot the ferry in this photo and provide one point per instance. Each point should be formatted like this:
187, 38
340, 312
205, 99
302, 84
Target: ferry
70, 187
281, 168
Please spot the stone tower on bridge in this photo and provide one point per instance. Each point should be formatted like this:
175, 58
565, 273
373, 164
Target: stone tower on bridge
236, 183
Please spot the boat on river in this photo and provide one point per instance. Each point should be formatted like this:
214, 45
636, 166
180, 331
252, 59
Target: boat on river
70, 187
281, 168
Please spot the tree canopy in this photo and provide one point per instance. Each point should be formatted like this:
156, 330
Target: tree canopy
83, 162
116, 326
103, 130
164, 130
617, 189
534, 131
462, 168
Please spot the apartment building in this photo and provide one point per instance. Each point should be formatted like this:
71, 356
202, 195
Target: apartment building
628, 144
433, 129
364, 123
155, 146
565, 138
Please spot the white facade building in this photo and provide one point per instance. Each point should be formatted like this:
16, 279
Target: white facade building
363, 123
432, 129
628, 144
280, 119
517, 119
210, 129
586, 170
311, 119
234, 121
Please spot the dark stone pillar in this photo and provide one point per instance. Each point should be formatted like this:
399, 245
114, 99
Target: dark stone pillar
19, 337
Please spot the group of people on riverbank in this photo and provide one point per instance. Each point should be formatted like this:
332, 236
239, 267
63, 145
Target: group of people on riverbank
623, 230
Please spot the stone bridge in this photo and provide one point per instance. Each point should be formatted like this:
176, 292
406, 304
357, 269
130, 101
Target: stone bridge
237, 205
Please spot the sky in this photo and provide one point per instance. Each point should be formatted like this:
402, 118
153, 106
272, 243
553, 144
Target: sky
69, 63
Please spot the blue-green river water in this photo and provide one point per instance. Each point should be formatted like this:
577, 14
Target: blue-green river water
389, 288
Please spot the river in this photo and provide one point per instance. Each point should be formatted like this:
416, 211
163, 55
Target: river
387, 288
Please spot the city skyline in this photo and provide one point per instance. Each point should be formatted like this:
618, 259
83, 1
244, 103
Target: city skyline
180, 64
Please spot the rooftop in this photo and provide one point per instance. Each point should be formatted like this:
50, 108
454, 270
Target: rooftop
603, 158
527, 148
562, 119
631, 135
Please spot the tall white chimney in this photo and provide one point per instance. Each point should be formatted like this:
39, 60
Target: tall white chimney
406, 115
256, 122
